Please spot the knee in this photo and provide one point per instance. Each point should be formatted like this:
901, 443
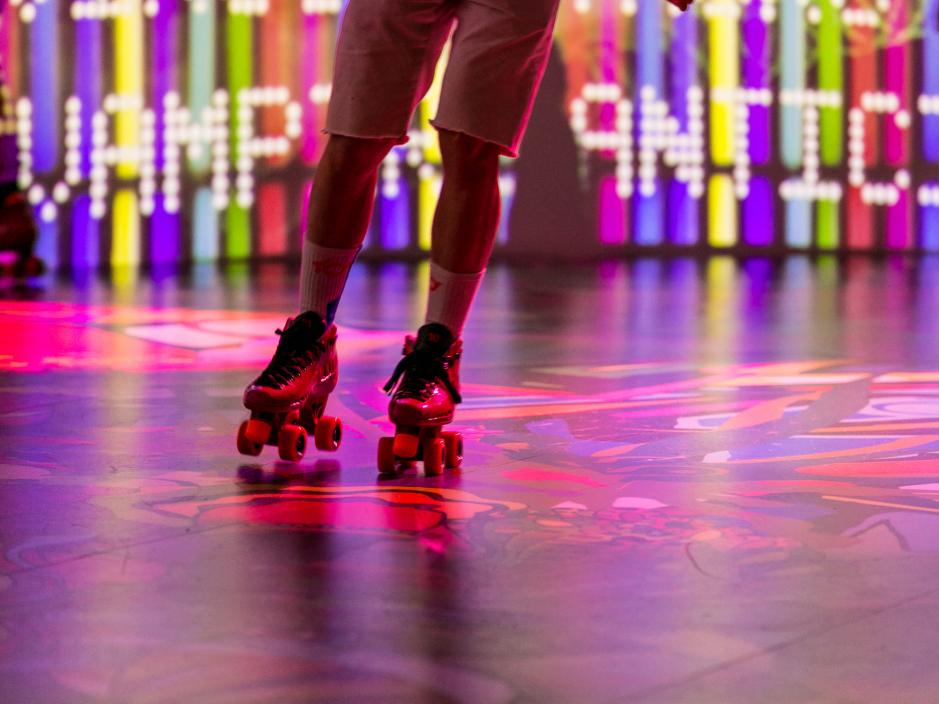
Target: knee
355, 153
468, 158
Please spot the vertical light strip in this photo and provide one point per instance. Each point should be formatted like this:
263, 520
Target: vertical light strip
930, 66
309, 73
830, 53
929, 228
683, 211
612, 215
722, 211
205, 235
648, 213
395, 215
863, 68
84, 242
128, 87
240, 46
798, 233
428, 193
128, 82
87, 83
201, 70
896, 66
929, 213
610, 58
757, 213
125, 229
899, 222
724, 72
827, 227
756, 75
272, 209
165, 246
791, 79
44, 85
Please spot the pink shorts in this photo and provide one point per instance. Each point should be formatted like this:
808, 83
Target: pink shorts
388, 50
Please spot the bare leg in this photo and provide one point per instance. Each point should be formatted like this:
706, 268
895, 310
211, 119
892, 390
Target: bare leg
343, 192
467, 216
340, 208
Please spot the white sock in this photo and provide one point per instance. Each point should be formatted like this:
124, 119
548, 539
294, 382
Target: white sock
323, 275
451, 296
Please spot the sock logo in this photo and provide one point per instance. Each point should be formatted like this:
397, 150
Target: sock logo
434, 284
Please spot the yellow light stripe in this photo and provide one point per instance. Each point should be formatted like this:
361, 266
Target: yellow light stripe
128, 79
428, 193
723, 71
125, 229
722, 211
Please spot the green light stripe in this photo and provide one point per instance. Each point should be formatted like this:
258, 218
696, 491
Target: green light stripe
827, 225
831, 77
240, 75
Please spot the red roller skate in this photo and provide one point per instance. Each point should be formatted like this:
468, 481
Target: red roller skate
288, 399
424, 388
18, 237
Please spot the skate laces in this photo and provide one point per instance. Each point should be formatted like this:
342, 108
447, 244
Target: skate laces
295, 352
418, 371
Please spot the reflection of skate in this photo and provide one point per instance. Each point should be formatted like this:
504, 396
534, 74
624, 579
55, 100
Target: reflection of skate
425, 387
18, 237
288, 399
682, 4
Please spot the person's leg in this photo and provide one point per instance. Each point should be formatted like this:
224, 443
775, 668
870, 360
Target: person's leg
340, 209
464, 227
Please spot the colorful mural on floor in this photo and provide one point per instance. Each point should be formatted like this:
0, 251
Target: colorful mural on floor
817, 454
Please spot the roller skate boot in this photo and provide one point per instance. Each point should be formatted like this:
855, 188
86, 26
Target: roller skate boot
424, 388
18, 236
289, 397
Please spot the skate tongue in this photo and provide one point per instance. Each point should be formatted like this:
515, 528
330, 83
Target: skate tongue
310, 322
434, 337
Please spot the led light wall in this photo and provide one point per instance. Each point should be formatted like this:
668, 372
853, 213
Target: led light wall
167, 130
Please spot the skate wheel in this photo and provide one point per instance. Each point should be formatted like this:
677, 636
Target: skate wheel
406, 445
245, 445
291, 442
386, 456
328, 433
435, 452
258, 431
454, 443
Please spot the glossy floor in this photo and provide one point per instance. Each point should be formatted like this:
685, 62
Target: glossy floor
685, 482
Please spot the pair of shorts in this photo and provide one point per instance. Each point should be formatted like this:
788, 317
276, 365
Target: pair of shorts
388, 50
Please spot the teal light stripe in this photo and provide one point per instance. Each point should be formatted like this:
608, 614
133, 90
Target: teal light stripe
204, 227
791, 77
201, 48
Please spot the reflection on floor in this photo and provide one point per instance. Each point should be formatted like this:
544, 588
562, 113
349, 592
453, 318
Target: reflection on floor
685, 482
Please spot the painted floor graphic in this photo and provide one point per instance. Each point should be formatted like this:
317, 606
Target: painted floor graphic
123, 492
